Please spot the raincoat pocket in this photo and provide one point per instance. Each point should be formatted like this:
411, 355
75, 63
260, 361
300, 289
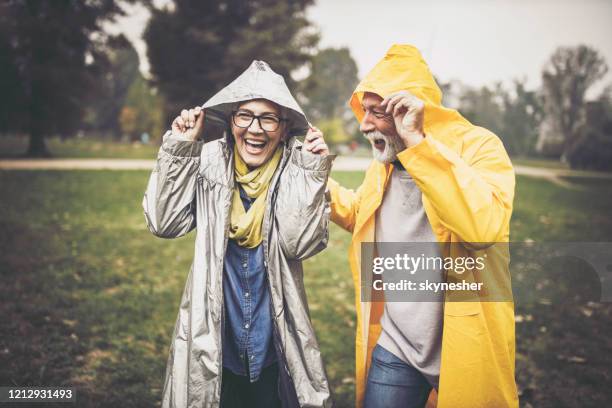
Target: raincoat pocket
462, 308
463, 318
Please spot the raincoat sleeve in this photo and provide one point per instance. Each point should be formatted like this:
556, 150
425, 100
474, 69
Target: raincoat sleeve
169, 201
302, 210
344, 204
472, 193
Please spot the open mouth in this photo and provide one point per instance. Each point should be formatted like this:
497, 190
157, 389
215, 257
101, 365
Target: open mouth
379, 144
254, 146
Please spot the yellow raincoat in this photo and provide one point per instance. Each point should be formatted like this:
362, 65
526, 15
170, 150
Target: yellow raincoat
467, 182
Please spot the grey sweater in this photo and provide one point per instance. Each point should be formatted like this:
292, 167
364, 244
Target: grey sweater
411, 330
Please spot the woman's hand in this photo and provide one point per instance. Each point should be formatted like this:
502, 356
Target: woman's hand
315, 143
190, 123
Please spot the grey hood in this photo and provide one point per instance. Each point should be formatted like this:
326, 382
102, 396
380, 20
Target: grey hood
259, 81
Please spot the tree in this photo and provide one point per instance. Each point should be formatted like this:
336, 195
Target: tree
198, 46
50, 53
119, 71
335, 131
128, 120
332, 79
570, 72
513, 114
484, 106
142, 111
522, 113
592, 146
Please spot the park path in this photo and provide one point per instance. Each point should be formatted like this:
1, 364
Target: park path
342, 163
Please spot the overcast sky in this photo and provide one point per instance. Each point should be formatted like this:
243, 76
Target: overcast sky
474, 41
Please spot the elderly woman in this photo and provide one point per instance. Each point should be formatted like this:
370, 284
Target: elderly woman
256, 197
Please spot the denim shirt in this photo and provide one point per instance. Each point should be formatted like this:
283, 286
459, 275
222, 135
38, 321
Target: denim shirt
247, 342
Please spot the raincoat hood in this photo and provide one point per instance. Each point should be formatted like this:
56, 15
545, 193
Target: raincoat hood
403, 68
259, 81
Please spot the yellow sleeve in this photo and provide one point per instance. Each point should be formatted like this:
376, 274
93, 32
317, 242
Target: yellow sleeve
344, 204
472, 199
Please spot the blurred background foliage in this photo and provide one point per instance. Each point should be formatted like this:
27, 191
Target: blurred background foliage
63, 75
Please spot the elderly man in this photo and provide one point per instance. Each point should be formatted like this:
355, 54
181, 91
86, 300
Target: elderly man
436, 178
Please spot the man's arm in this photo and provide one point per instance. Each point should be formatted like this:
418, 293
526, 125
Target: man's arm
344, 204
473, 199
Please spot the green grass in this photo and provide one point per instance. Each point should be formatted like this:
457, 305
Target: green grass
545, 212
91, 147
15, 147
89, 296
539, 162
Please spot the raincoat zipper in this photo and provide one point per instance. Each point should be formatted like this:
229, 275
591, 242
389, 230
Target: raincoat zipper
225, 240
272, 199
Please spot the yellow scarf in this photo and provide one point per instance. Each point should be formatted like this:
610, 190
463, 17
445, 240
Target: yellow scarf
245, 226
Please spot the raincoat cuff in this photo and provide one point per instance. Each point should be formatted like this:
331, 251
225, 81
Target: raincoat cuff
425, 150
332, 185
181, 146
310, 161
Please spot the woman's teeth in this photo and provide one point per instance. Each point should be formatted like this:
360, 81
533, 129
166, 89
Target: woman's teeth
255, 144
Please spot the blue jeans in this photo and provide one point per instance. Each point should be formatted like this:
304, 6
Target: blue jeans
393, 383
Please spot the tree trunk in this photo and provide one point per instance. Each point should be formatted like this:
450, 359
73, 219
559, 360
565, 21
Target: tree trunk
37, 147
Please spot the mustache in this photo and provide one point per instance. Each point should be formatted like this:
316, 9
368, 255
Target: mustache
375, 135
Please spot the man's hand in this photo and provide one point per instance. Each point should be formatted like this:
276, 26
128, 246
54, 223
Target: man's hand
190, 123
408, 112
315, 143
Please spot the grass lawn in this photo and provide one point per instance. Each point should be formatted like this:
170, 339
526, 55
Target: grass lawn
14, 147
89, 296
539, 162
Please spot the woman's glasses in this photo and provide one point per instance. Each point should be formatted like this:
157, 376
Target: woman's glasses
267, 121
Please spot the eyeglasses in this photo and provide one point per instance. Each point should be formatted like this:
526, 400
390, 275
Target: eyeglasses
267, 122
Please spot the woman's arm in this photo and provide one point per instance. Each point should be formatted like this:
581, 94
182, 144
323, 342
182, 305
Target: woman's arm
302, 210
169, 201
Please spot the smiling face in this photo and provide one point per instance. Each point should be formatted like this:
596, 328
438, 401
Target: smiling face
256, 145
379, 128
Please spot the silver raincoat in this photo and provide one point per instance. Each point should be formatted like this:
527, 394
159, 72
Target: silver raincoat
191, 187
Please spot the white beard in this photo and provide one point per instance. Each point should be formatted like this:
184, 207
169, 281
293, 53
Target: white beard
393, 146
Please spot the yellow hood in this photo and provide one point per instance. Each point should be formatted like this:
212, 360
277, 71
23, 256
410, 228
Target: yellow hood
403, 68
